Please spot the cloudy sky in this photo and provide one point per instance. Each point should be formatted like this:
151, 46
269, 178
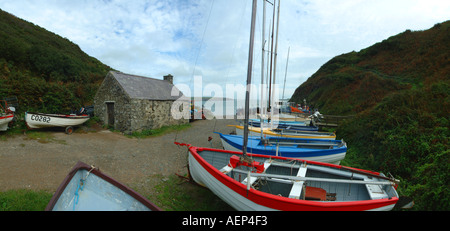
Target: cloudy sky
209, 38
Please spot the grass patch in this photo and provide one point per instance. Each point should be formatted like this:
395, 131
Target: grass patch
92, 125
43, 137
24, 200
170, 194
160, 131
176, 194
92, 121
18, 128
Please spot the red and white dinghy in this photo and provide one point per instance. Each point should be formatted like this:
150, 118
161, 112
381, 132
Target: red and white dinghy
40, 120
263, 183
6, 115
4, 120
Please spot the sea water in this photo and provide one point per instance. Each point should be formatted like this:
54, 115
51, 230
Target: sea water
225, 108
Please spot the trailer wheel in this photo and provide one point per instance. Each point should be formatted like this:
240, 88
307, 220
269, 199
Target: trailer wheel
69, 130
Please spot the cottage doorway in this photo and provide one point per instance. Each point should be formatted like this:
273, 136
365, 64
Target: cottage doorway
110, 113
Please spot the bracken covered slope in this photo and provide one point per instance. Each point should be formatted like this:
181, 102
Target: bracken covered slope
43, 70
357, 81
399, 91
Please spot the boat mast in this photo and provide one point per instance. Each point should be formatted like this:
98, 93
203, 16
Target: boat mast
285, 73
275, 61
262, 108
271, 58
249, 77
268, 68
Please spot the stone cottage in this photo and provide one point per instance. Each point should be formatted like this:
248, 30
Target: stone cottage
132, 103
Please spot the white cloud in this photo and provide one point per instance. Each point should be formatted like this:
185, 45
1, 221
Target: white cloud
153, 38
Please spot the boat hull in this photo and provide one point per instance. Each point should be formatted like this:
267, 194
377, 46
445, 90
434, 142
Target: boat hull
4, 120
333, 156
253, 131
40, 120
243, 198
284, 125
98, 192
202, 177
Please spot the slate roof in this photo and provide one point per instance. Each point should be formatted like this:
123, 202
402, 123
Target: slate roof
140, 87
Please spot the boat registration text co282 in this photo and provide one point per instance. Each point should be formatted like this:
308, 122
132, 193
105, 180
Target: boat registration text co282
40, 118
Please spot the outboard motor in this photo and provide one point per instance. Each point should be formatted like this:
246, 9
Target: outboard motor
315, 118
82, 111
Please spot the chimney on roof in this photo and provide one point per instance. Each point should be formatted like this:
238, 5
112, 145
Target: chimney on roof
169, 78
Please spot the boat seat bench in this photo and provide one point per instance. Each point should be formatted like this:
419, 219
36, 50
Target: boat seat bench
375, 191
311, 193
226, 169
297, 187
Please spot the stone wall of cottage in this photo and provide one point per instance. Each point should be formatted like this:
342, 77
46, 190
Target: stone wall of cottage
111, 91
132, 114
152, 114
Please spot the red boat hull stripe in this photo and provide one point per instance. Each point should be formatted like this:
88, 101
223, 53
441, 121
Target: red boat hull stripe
284, 203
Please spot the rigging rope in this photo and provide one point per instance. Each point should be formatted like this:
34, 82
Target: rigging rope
196, 59
201, 43
81, 186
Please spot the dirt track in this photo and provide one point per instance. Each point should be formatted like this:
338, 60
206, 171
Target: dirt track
30, 164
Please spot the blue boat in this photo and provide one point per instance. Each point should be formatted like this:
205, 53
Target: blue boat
327, 151
86, 188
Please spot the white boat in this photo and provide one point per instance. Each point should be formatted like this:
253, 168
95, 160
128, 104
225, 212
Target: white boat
86, 188
267, 132
5, 118
264, 183
6, 115
327, 151
41, 120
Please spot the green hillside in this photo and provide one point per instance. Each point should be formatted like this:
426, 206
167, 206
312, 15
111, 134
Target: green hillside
399, 91
357, 81
46, 72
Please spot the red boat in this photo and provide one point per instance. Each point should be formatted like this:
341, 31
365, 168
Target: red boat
258, 183
6, 116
